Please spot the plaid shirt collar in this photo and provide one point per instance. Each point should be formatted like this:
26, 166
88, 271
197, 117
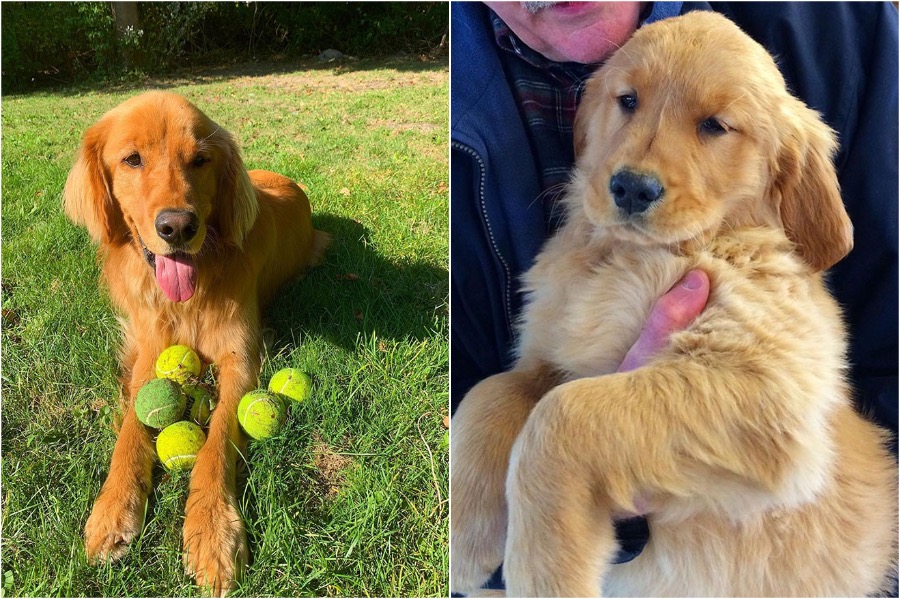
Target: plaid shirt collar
547, 94
566, 73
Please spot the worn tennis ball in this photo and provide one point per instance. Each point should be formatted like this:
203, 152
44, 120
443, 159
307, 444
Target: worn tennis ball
159, 403
261, 414
199, 403
291, 382
177, 445
179, 363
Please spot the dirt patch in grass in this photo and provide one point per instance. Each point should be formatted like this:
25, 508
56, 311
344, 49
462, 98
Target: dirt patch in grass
331, 468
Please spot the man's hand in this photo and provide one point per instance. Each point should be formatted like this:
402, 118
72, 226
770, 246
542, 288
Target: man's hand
673, 312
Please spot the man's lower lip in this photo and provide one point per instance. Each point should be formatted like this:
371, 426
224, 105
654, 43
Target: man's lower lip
569, 8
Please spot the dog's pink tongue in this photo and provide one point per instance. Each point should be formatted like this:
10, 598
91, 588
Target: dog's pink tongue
176, 276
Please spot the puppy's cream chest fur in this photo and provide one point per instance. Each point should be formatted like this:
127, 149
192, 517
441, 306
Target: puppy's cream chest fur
586, 307
589, 298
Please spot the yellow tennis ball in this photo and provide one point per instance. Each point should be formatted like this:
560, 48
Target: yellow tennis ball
177, 445
291, 382
200, 403
159, 403
261, 414
179, 363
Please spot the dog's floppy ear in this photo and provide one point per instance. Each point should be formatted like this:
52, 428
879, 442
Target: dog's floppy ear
87, 197
590, 103
806, 185
237, 205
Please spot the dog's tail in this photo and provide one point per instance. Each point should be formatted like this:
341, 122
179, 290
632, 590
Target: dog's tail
320, 242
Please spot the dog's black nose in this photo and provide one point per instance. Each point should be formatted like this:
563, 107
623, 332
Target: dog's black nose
177, 227
634, 192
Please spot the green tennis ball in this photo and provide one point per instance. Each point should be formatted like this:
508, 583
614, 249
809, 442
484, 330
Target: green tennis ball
261, 414
159, 403
177, 445
199, 403
179, 363
291, 382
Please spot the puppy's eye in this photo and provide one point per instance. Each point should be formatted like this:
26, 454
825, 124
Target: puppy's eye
133, 160
199, 160
712, 126
628, 102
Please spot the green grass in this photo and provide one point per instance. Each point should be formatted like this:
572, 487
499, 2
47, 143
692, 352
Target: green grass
351, 499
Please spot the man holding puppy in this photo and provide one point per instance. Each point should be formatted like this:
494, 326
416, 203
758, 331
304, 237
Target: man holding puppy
519, 70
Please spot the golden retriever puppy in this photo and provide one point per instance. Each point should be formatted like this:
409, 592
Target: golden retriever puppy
192, 247
738, 440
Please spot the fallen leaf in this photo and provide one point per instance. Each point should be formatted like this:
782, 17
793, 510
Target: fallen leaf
10, 317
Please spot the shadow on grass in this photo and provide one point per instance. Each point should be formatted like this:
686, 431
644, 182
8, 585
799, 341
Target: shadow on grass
356, 291
213, 73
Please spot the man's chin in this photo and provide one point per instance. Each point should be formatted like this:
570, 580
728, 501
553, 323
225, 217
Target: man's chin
585, 32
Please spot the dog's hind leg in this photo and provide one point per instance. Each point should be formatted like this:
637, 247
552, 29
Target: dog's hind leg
482, 432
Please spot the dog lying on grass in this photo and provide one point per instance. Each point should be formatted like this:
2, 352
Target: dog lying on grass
193, 247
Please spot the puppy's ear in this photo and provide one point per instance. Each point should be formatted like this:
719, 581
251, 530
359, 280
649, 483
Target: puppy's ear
806, 185
87, 197
589, 105
236, 205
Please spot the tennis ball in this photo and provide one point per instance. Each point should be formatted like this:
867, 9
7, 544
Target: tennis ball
159, 403
291, 382
179, 363
177, 445
199, 403
261, 414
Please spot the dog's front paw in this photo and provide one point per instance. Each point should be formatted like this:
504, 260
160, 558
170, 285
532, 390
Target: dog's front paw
477, 549
117, 518
478, 532
215, 544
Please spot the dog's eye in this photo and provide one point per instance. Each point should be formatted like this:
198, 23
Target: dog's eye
628, 102
133, 160
712, 126
199, 160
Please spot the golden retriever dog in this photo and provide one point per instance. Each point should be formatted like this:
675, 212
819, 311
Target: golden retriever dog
738, 440
192, 247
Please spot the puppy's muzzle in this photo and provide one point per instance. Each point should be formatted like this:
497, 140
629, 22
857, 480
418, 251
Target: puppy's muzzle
634, 192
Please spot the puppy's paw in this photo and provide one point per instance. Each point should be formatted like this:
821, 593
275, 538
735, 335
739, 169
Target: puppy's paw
215, 544
477, 536
117, 518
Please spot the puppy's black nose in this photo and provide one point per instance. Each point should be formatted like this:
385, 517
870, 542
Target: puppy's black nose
634, 192
177, 227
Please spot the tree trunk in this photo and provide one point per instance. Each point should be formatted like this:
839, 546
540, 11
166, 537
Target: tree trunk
127, 17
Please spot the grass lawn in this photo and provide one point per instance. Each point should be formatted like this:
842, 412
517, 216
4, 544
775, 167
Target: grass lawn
352, 498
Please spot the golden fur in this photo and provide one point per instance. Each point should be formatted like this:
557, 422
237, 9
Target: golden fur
253, 234
738, 440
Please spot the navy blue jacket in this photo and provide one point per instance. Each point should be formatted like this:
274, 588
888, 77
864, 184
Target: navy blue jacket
840, 58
